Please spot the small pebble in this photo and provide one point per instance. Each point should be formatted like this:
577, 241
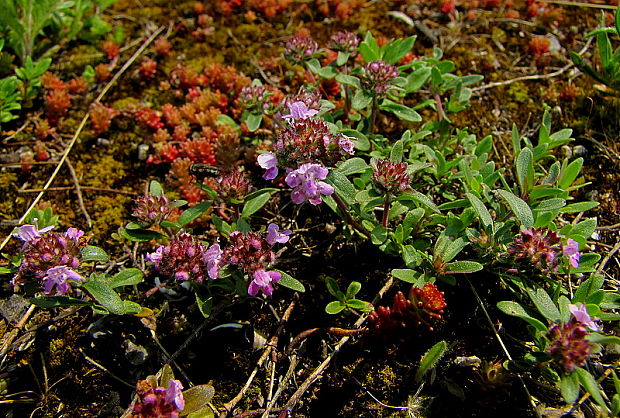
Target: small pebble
143, 152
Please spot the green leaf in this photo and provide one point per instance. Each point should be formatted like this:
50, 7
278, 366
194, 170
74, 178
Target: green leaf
353, 165
342, 59
461, 267
579, 207
481, 210
420, 198
569, 387
396, 153
378, 235
156, 189
417, 78
253, 121
140, 235
255, 204
587, 288
570, 173
360, 140
92, 253
104, 294
360, 305
402, 112
342, 185
287, 280
361, 99
131, 308
332, 287
204, 304
193, 213
126, 277
544, 304
348, 80
550, 205
335, 307
525, 170
521, 209
196, 398
589, 383
584, 228
603, 339
406, 275
353, 289
514, 309
430, 359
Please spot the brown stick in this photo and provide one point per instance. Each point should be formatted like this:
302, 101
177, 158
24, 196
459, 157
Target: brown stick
273, 341
316, 374
62, 188
15, 330
78, 192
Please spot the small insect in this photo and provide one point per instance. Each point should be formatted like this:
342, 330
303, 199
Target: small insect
203, 170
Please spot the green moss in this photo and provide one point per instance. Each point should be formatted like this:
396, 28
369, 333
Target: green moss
518, 92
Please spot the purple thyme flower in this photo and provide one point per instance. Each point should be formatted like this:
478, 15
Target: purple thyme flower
254, 98
299, 110
568, 345
174, 394
156, 257
212, 257
346, 144
378, 76
29, 233
305, 184
580, 314
57, 277
389, 176
571, 250
151, 210
157, 402
185, 258
300, 48
42, 252
344, 41
538, 246
274, 235
262, 281
72, 233
269, 162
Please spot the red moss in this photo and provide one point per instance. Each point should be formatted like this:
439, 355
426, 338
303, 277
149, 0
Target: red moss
101, 117
57, 104
51, 82
171, 114
148, 69
40, 152
102, 73
161, 47
148, 118
77, 85
111, 49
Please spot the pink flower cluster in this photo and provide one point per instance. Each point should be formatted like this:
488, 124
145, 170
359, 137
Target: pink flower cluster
186, 258
542, 248
304, 149
50, 256
389, 176
569, 346
252, 253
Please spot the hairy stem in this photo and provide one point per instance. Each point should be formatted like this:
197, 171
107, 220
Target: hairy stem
386, 209
345, 211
